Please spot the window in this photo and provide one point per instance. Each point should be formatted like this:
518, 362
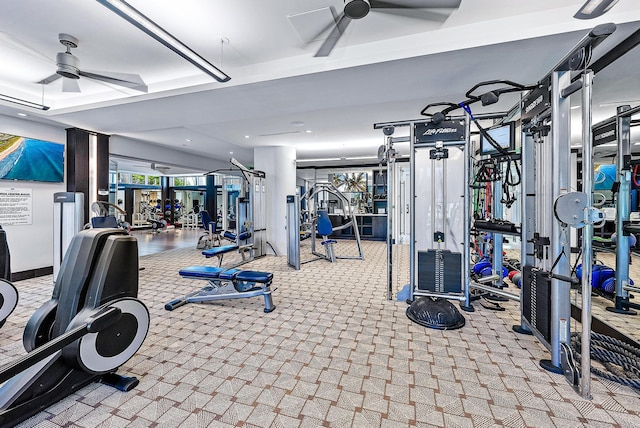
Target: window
138, 179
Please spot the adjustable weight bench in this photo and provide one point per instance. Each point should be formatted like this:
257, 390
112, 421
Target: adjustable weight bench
226, 284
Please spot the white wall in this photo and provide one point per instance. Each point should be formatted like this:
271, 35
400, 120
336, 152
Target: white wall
31, 246
279, 165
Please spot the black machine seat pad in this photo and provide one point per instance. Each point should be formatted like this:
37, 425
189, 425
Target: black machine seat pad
217, 251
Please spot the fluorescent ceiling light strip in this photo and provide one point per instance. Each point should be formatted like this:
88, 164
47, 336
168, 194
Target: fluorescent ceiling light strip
318, 160
337, 159
590, 6
594, 8
135, 17
23, 102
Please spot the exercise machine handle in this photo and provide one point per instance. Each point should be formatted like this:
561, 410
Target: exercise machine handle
568, 279
97, 322
174, 304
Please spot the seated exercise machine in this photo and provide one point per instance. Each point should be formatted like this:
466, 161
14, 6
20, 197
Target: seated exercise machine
92, 325
225, 284
324, 229
8, 292
211, 237
316, 220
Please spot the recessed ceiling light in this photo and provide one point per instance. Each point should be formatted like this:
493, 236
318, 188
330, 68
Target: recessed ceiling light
297, 123
230, 153
246, 136
308, 131
23, 114
188, 140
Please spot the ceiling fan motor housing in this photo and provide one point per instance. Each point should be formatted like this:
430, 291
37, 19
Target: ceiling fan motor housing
68, 65
356, 9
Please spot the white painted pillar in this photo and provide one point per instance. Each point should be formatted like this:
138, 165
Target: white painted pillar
279, 165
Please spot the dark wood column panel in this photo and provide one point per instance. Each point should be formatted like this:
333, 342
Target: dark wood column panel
78, 166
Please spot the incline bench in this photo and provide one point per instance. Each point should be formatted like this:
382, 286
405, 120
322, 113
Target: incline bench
226, 284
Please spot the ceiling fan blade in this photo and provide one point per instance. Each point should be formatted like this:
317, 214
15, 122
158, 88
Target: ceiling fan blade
334, 36
50, 79
12, 42
415, 4
70, 85
132, 81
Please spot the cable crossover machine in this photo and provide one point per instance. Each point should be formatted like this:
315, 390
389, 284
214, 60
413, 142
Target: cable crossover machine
441, 214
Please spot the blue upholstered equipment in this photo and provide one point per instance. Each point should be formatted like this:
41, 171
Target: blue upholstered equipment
324, 223
217, 251
201, 272
226, 284
325, 229
207, 223
211, 236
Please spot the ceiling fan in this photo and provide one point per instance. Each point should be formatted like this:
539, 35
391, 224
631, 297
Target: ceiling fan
69, 68
160, 168
358, 9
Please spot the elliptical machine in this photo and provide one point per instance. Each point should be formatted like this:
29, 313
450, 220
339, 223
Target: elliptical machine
8, 292
91, 326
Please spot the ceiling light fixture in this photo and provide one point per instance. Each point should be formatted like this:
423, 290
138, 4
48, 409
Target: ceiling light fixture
619, 103
23, 114
135, 17
594, 8
23, 102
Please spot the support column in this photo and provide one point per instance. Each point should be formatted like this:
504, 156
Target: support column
211, 198
279, 165
165, 193
88, 166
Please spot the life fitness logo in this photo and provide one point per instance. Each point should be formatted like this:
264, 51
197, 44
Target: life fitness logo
606, 134
439, 131
533, 104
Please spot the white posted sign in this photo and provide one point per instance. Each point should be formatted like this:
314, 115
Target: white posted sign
16, 206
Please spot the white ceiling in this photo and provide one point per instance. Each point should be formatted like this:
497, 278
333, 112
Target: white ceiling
386, 67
